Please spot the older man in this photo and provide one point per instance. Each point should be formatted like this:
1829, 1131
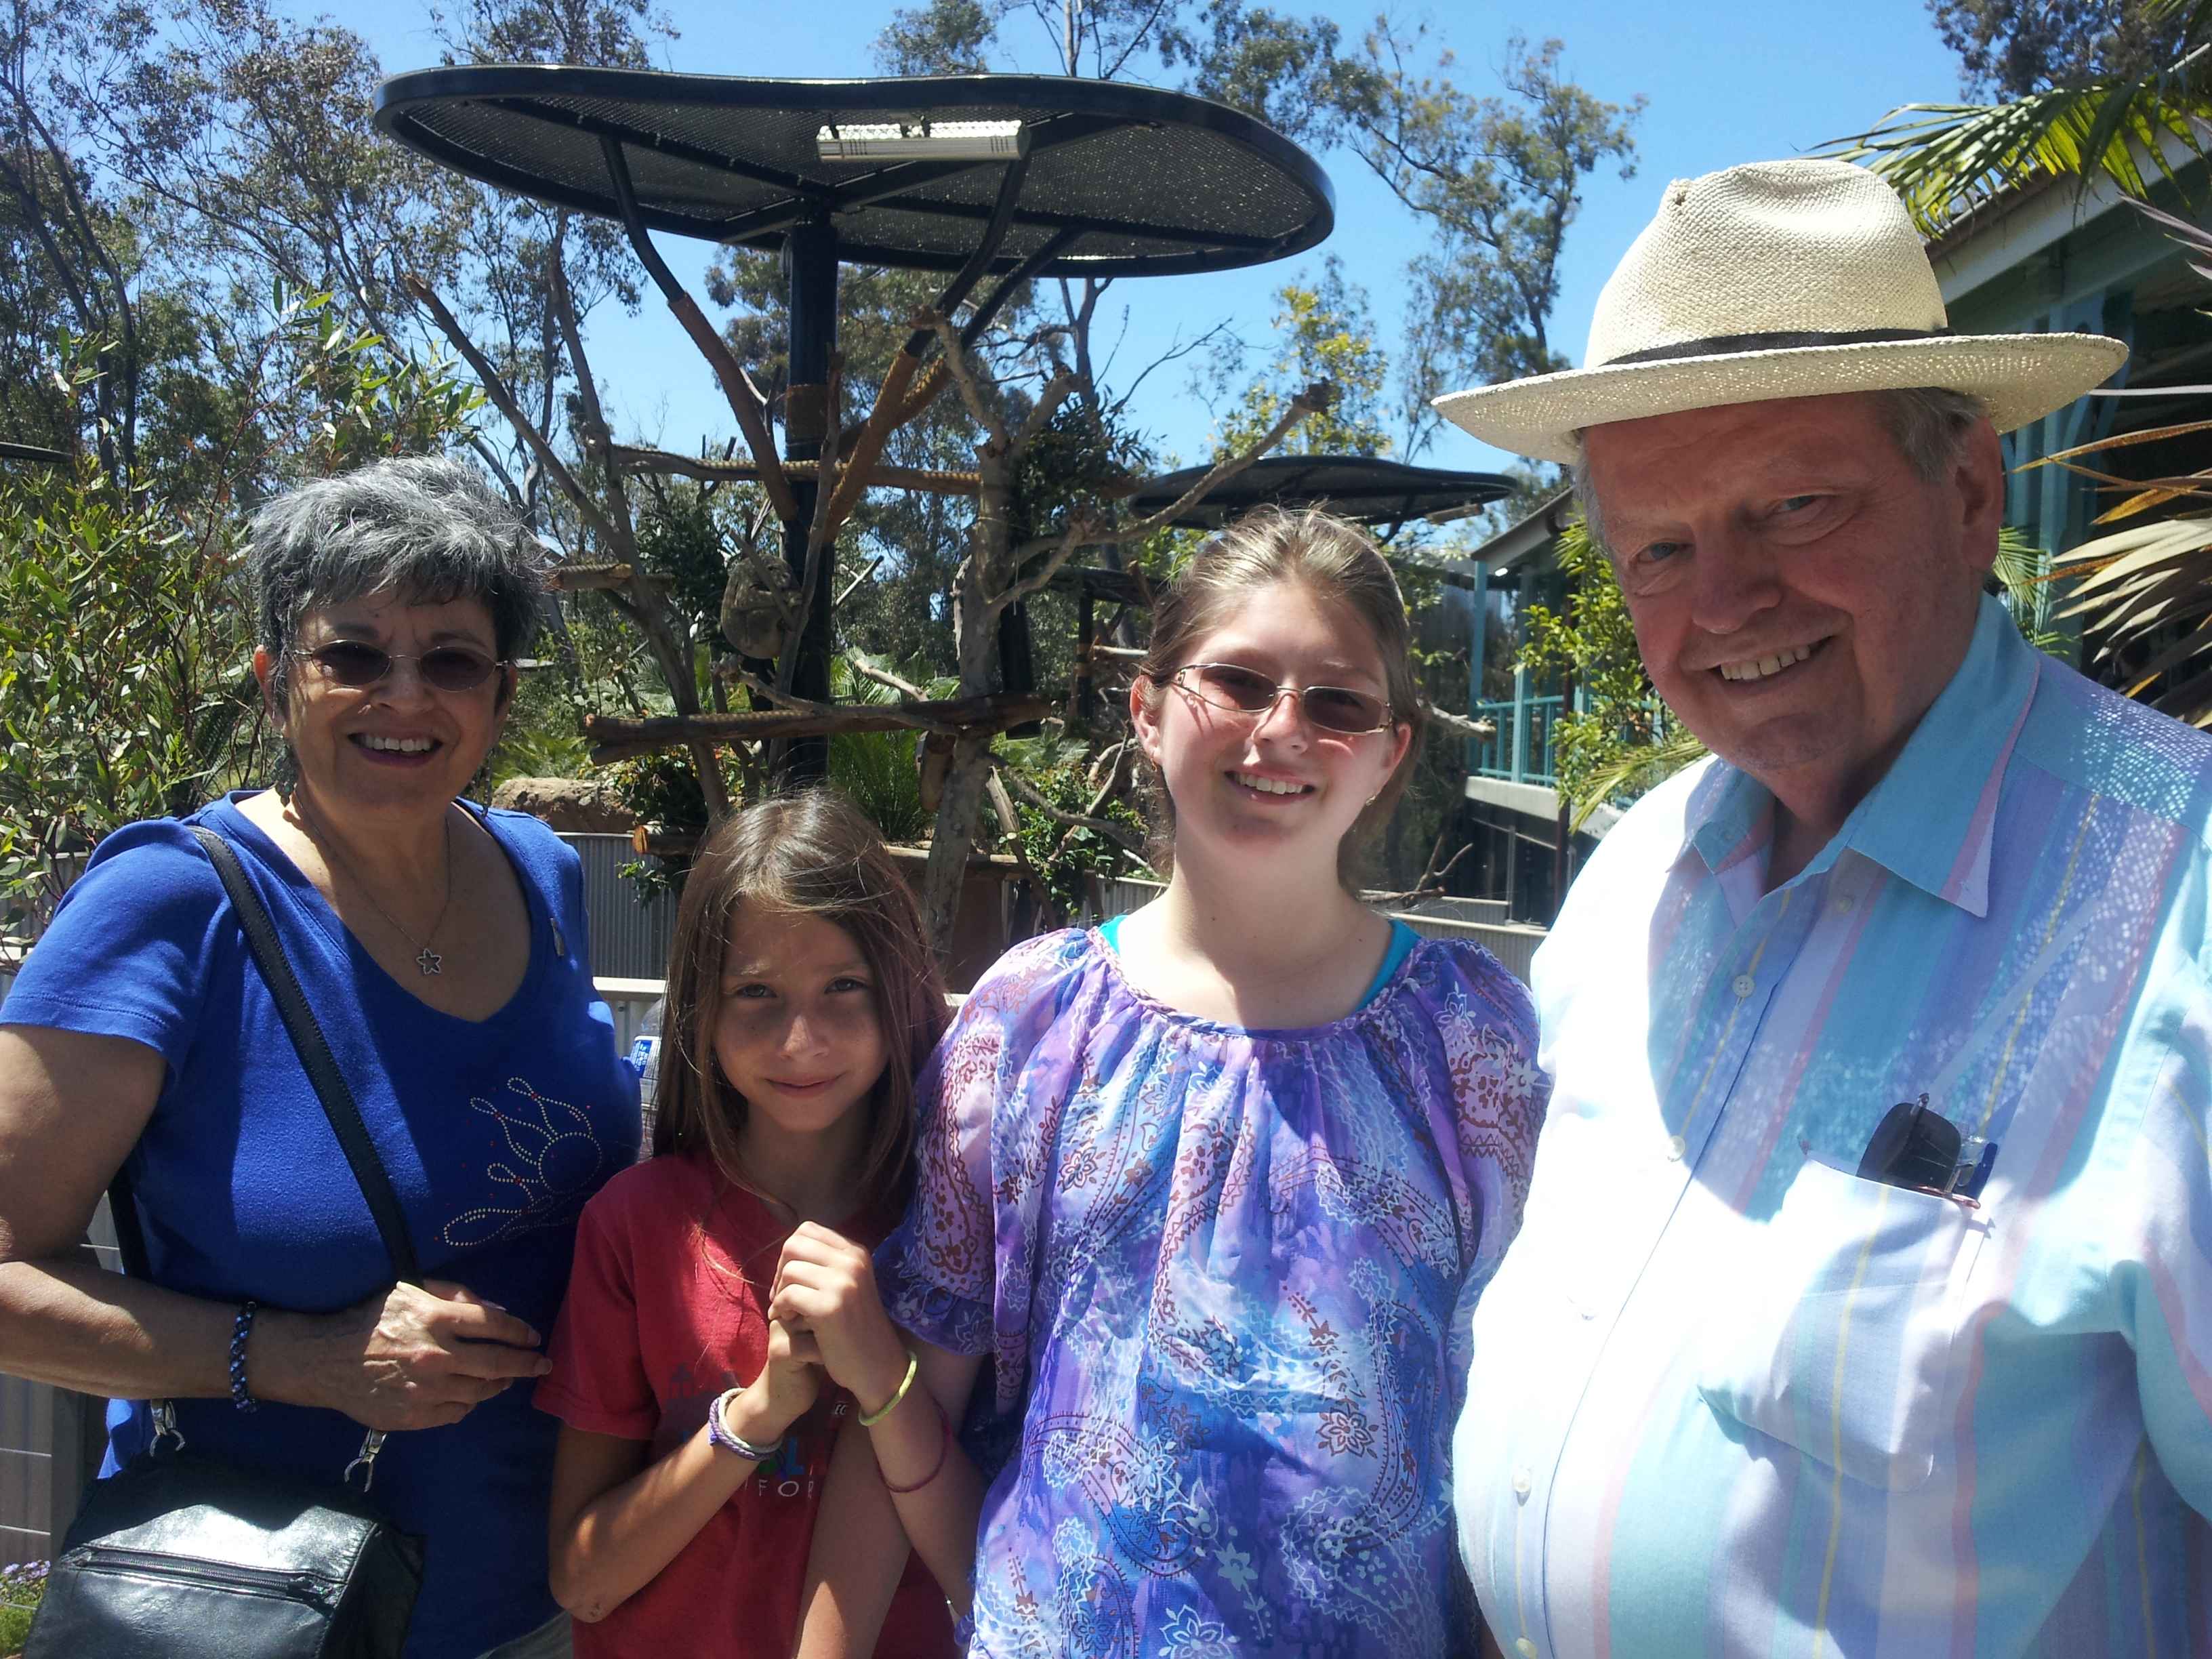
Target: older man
1864, 1301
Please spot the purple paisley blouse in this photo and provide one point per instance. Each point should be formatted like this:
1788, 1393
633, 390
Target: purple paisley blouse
1224, 1278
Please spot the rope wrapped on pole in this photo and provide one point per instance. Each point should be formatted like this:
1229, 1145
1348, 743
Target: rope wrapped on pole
586, 578
615, 739
710, 470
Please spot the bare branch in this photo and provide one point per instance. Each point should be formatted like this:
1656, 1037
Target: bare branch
597, 433
1056, 392
496, 389
1171, 354
1429, 886
1120, 835
1086, 533
859, 577
868, 670
1315, 399
1460, 723
964, 376
1079, 533
745, 398
1115, 761
1010, 821
619, 739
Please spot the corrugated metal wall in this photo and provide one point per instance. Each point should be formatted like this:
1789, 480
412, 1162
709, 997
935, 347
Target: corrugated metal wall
630, 929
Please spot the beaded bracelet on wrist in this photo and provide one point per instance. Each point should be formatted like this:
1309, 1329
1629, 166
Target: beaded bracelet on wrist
718, 1432
240, 1329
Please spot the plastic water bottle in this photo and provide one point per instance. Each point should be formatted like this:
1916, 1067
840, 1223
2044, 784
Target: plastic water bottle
644, 1061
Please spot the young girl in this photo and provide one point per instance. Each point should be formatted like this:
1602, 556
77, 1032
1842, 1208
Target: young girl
697, 1429
1214, 1190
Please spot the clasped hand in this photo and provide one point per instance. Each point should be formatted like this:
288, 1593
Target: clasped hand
417, 1357
824, 1295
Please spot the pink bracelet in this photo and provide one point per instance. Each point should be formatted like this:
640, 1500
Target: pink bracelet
943, 1447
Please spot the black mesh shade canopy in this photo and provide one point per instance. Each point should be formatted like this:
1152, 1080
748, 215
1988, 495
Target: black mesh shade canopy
1121, 181
1366, 487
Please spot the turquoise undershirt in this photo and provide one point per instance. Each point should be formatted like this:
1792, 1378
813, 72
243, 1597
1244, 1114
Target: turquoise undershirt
1402, 941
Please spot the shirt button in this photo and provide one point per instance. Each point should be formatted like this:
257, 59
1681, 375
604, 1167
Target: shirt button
1744, 986
1525, 1647
1675, 1147
1842, 903
1521, 1485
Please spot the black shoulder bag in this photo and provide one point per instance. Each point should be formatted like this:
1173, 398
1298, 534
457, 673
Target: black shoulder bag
184, 1556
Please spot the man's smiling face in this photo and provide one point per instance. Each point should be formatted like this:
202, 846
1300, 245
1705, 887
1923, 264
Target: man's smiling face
1800, 593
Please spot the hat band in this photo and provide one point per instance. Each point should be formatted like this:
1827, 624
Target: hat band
1715, 345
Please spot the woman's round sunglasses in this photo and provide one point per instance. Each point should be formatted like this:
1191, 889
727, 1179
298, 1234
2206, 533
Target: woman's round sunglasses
1335, 709
356, 665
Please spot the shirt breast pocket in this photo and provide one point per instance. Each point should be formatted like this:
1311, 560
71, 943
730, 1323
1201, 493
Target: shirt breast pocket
1845, 1333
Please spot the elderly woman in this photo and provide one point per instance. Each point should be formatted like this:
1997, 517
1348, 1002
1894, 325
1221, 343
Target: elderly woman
442, 949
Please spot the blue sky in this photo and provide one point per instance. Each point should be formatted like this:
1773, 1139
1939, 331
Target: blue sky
1727, 81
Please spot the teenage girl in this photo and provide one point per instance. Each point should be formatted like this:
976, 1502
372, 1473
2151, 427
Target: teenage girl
697, 1429
1213, 1190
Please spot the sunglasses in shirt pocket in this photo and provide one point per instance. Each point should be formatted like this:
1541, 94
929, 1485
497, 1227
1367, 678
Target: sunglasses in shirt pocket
1844, 1330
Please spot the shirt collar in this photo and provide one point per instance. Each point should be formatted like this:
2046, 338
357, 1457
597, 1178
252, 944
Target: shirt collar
1930, 820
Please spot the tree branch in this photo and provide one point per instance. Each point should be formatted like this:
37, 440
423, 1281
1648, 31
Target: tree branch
496, 390
868, 670
707, 469
964, 376
1086, 533
1011, 822
1118, 833
744, 398
619, 739
596, 435
1463, 724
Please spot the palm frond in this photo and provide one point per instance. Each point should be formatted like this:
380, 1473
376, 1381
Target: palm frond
1946, 160
2118, 440
2018, 564
1635, 771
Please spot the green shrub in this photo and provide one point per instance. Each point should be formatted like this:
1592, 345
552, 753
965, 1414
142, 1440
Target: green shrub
21, 1585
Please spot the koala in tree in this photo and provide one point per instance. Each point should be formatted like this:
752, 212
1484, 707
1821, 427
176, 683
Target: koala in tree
756, 605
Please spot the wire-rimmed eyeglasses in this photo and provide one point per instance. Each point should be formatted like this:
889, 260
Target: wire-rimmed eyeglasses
1334, 708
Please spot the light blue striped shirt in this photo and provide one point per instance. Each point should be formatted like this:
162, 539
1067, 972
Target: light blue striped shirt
1728, 1398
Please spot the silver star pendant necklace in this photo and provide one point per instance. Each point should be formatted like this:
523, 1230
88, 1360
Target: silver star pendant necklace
427, 961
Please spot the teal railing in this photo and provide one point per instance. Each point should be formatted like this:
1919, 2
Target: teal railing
1522, 752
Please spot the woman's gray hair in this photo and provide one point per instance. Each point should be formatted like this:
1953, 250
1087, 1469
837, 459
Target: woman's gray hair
1928, 423
428, 529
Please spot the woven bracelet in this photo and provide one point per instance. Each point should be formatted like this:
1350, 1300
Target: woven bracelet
720, 1434
943, 1449
240, 1329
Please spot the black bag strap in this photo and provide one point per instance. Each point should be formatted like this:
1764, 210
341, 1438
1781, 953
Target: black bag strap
322, 1071
315, 1054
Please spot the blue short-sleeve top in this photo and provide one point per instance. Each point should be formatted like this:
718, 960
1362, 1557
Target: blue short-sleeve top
494, 1132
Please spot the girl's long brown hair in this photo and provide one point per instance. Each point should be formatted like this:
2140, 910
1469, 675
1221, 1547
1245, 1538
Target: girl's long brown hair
813, 853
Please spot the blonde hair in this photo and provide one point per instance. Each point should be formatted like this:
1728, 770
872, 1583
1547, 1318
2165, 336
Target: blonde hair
1333, 560
815, 854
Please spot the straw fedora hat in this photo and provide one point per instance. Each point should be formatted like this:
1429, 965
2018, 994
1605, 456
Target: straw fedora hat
1781, 279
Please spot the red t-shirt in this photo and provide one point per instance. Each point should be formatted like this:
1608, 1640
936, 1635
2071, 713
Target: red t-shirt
667, 1308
